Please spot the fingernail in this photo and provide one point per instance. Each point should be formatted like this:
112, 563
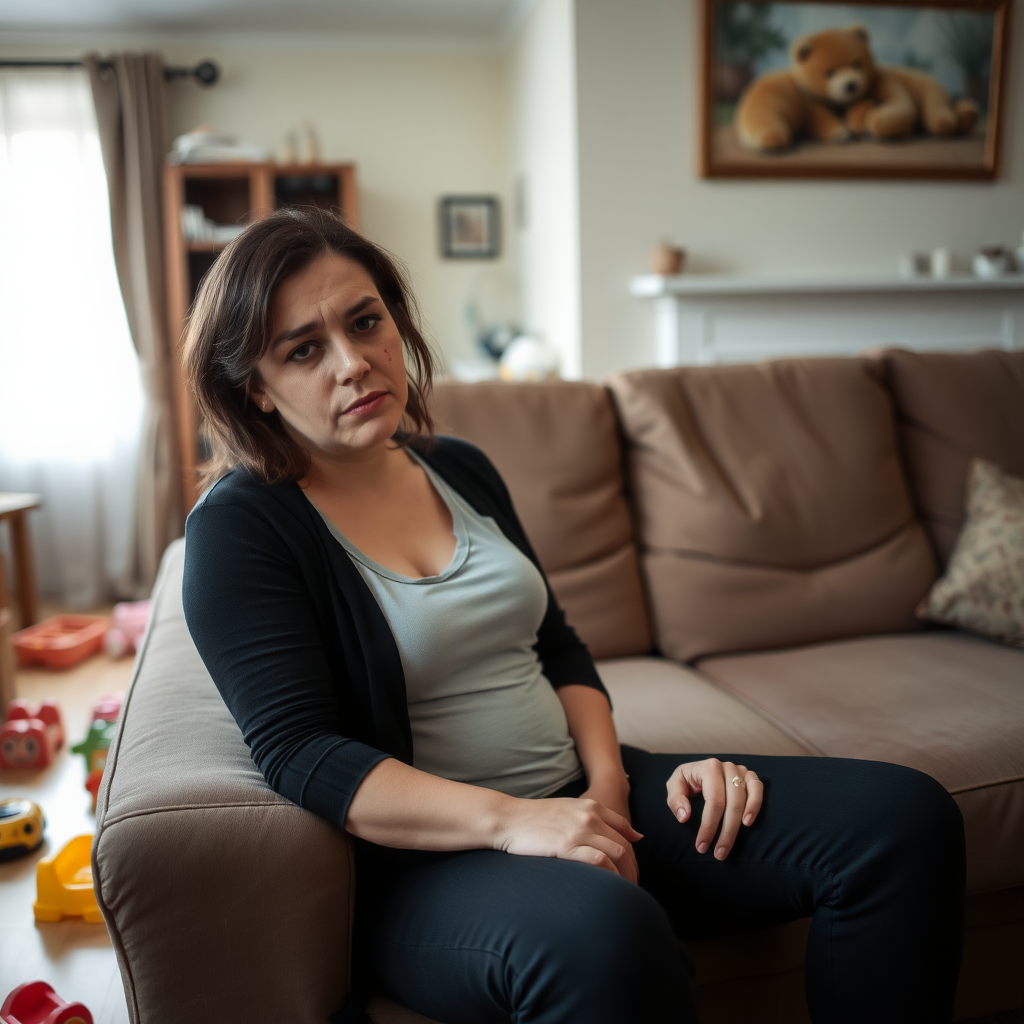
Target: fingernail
748, 819
681, 814
721, 853
702, 847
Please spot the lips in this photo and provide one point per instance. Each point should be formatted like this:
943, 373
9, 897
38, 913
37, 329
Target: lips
366, 405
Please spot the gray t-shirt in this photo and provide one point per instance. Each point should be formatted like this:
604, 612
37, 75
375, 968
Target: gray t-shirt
480, 708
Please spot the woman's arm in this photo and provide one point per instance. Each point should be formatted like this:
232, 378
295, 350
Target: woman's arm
397, 805
590, 724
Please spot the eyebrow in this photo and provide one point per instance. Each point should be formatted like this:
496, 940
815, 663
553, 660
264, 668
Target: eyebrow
297, 332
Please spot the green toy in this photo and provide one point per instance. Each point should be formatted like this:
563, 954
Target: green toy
95, 745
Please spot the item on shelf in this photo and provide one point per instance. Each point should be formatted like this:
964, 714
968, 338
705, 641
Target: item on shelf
127, 626
206, 145
527, 359
309, 144
21, 827
64, 884
1020, 256
667, 259
993, 261
914, 264
30, 738
942, 262
197, 227
35, 1002
61, 641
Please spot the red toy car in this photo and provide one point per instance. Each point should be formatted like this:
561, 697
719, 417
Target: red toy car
30, 739
35, 1002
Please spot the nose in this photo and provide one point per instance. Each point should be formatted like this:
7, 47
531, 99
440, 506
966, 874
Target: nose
350, 363
850, 87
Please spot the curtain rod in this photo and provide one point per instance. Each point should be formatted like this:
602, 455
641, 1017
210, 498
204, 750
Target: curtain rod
204, 73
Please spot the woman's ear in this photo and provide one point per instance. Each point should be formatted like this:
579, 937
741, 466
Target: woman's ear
256, 393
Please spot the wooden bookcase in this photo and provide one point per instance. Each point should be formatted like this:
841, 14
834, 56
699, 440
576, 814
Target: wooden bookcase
235, 193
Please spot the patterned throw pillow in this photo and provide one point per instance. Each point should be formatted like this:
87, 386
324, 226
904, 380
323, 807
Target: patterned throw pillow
983, 589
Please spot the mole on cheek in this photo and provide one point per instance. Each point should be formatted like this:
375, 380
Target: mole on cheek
387, 352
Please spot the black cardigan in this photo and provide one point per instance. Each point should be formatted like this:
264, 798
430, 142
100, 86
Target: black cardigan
297, 644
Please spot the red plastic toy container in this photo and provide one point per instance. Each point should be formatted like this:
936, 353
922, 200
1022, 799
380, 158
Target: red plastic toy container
35, 1002
60, 642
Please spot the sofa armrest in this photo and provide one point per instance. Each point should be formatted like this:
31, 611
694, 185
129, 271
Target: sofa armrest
224, 901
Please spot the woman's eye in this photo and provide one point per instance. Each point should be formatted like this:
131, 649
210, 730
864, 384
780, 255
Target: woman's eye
366, 323
302, 352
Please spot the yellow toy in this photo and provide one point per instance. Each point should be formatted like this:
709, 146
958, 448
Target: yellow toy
64, 884
21, 828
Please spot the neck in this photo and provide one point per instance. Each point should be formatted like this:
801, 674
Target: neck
369, 469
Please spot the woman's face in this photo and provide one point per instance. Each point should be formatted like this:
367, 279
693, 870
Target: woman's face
334, 370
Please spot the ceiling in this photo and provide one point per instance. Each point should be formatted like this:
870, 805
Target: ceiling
482, 21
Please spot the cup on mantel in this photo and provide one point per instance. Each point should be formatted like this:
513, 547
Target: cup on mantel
942, 262
667, 259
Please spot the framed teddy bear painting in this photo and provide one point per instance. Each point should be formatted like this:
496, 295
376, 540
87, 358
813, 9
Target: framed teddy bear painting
874, 89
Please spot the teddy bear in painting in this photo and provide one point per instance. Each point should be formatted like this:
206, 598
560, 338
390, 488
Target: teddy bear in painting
834, 92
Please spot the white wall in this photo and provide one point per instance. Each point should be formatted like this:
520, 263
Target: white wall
542, 98
417, 124
638, 97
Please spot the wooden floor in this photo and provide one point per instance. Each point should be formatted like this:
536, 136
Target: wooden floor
74, 957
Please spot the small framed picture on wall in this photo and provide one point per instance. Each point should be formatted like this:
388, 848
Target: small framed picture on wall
470, 227
870, 89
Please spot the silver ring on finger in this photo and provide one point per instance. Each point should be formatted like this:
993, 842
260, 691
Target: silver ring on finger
738, 782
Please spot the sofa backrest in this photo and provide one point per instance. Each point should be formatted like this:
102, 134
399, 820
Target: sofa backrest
951, 407
771, 504
557, 446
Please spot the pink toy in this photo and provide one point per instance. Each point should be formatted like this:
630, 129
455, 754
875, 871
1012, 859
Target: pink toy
108, 707
127, 625
35, 1002
30, 739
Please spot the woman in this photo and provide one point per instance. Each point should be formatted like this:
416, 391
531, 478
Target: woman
370, 609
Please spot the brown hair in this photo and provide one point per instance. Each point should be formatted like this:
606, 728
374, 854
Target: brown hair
228, 333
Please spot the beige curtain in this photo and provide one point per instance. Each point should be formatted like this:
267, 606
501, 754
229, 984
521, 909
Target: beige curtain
130, 112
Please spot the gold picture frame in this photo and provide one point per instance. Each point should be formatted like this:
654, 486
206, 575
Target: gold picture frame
962, 45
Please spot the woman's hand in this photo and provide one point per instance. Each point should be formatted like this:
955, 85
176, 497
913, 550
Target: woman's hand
582, 830
724, 800
613, 793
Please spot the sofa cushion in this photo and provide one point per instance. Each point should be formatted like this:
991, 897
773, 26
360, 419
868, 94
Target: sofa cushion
193, 850
953, 406
771, 504
557, 446
665, 707
946, 703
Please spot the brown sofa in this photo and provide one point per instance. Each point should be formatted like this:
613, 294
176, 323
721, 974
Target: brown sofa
742, 548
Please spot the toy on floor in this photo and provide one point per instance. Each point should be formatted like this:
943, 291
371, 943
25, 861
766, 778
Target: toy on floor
35, 1002
97, 741
21, 827
64, 884
30, 738
108, 707
127, 625
60, 642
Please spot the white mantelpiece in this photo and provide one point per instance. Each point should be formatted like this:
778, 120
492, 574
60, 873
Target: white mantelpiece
707, 318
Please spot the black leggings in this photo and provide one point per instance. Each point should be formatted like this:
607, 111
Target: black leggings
873, 852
